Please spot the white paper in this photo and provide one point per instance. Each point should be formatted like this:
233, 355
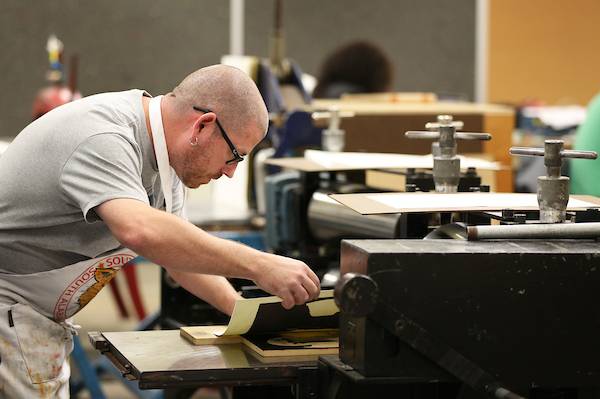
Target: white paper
557, 117
497, 201
365, 160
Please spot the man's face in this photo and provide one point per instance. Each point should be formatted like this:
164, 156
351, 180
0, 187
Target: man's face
208, 160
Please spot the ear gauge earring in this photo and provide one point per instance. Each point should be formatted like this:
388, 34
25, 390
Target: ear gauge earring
194, 141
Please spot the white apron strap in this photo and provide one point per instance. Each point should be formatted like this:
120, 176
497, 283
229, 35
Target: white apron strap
160, 149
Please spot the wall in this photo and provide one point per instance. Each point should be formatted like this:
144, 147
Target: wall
546, 50
431, 42
153, 44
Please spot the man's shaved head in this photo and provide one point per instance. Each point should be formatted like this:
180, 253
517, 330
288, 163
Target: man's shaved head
228, 92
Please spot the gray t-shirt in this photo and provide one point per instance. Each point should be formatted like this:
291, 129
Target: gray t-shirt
63, 165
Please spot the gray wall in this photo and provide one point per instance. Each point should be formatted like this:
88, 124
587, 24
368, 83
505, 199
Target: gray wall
153, 44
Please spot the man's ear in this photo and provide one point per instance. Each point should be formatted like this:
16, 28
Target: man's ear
204, 121
208, 118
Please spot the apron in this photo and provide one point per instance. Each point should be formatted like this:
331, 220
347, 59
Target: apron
35, 330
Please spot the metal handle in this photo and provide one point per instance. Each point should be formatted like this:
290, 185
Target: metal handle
553, 154
415, 134
579, 154
563, 154
472, 136
526, 151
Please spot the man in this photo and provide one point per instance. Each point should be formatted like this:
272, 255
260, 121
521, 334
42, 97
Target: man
93, 183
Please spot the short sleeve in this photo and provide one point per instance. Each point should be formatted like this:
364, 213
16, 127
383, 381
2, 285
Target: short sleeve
105, 166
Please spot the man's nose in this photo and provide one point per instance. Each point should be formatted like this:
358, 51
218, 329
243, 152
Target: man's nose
229, 170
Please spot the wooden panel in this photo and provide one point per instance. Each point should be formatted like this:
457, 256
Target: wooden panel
501, 128
385, 133
547, 50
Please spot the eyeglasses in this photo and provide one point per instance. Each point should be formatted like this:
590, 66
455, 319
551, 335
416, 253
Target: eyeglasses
236, 155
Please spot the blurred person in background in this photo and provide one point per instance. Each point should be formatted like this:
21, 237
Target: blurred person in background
356, 67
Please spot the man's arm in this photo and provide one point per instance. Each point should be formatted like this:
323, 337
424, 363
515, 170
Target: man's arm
178, 245
215, 290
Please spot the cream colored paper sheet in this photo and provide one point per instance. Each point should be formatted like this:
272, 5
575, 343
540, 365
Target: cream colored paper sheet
245, 311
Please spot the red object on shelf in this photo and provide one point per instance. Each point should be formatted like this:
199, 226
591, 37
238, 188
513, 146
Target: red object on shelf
51, 97
57, 93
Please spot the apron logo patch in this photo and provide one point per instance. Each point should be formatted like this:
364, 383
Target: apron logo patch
103, 277
88, 284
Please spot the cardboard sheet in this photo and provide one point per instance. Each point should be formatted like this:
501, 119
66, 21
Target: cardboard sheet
208, 335
325, 161
369, 204
270, 330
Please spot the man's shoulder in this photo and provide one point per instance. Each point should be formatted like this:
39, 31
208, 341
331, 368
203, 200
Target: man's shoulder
117, 112
110, 96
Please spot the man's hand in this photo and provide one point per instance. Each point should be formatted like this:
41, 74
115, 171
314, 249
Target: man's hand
290, 279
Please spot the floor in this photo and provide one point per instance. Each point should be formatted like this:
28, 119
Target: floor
101, 314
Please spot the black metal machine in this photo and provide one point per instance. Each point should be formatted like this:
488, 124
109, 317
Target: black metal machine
501, 315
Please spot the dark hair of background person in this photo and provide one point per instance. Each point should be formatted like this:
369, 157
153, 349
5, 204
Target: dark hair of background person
356, 67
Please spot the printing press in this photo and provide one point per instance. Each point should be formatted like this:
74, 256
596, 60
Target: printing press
499, 312
303, 222
494, 311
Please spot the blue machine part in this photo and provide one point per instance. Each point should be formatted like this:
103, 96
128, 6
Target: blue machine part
289, 211
276, 211
270, 86
297, 133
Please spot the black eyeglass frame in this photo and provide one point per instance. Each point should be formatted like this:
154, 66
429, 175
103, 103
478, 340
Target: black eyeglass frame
236, 155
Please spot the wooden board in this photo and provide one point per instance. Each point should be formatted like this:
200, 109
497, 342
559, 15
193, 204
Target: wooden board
208, 335
398, 202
